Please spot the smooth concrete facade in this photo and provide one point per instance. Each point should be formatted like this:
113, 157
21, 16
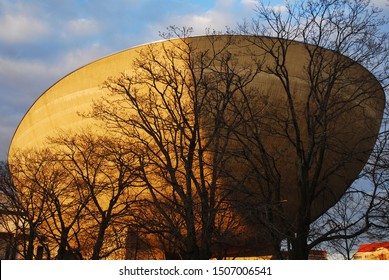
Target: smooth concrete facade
59, 108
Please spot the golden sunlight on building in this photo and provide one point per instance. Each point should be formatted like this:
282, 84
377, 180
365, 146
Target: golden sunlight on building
373, 251
356, 105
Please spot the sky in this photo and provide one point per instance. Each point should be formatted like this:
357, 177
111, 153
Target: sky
43, 40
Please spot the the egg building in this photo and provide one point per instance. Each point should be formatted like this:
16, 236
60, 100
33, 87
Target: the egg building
354, 118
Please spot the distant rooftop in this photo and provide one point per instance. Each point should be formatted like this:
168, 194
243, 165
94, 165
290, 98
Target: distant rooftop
373, 246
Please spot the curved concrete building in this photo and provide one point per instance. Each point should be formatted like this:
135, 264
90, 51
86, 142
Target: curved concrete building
355, 115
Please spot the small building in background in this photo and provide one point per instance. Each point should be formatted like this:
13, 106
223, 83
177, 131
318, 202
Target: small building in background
313, 255
317, 255
373, 251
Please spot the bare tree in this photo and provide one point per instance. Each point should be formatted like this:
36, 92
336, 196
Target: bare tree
51, 201
361, 214
10, 214
213, 155
314, 116
108, 171
66, 201
32, 174
175, 108
74, 198
377, 174
342, 227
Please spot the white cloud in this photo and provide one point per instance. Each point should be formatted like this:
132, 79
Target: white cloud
20, 28
26, 80
79, 57
225, 13
249, 4
224, 4
19, 72
211, 19
82, 27
380, 3
279, 8
26, 74
23, 81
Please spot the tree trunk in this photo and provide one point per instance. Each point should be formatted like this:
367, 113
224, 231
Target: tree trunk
300, 249
30, 245
100, 240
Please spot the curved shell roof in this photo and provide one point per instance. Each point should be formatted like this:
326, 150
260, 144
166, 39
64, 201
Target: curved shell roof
60, 106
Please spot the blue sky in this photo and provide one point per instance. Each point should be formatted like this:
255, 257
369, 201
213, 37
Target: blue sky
41, 41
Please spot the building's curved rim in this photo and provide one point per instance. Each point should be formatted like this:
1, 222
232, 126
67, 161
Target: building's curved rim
68, 74
174, 39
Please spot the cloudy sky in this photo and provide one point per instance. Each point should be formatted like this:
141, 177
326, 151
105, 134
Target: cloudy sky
43, 40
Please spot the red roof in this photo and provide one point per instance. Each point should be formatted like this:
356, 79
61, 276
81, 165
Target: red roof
318, 253
373, 246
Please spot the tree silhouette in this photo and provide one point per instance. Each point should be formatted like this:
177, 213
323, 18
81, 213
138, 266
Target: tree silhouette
317, 123
176, 108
